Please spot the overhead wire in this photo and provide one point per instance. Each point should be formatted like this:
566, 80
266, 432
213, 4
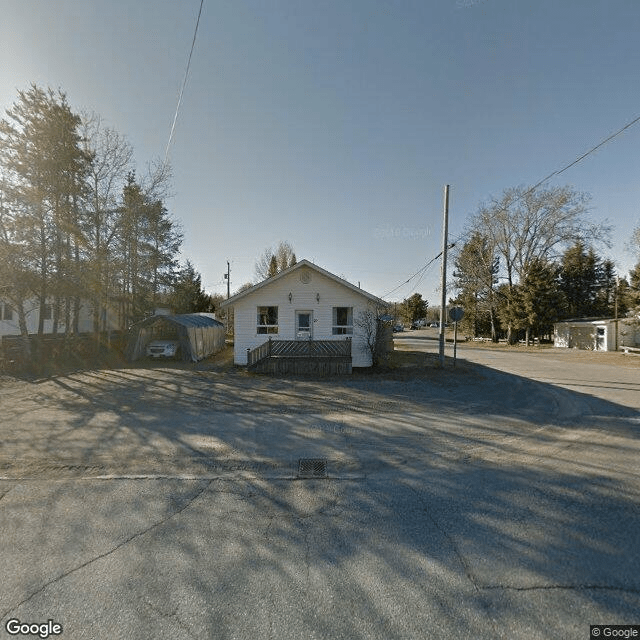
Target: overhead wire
422, 271
184, 84
583, 156
526, 193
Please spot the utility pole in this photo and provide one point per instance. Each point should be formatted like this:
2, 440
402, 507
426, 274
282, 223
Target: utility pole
443, 302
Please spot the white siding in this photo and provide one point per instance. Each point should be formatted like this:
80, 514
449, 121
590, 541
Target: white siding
304, 298
583, 334
32, 310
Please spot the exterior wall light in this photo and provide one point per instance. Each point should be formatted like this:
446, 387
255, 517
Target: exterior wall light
317, 297
290, 297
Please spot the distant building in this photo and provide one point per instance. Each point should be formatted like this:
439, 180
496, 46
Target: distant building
597, 334
9, 325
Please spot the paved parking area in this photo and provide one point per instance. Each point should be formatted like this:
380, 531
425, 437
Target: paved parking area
497, 500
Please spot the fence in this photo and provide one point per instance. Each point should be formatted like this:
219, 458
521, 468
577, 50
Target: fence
320, 357
53, 349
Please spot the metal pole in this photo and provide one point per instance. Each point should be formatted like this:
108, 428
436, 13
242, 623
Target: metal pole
455, 341
616, 309
443, 302
228, 280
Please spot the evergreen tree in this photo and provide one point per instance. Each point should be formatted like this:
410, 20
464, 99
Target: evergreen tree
273, 267
579, 281
147, 246
632, 294
536, 302
272, 262
187, 295
476, 267
605, 301
413, 308
44, 170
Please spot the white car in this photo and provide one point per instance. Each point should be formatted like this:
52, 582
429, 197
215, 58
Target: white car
162, 348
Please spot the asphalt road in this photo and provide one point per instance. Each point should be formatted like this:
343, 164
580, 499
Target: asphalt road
497, 500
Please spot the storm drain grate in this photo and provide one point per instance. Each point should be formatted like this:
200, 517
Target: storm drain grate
312, 467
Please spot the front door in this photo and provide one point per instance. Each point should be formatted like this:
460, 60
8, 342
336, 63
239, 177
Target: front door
304, 325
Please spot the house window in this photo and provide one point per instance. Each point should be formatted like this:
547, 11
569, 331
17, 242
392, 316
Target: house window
267, 320
47, 312
6, 312
342, 321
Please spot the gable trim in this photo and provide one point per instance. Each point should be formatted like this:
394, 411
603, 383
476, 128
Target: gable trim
303, 263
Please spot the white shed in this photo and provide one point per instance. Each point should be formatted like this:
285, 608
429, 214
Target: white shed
303, 303
601, 334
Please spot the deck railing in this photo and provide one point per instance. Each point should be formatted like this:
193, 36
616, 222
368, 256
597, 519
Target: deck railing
299, 349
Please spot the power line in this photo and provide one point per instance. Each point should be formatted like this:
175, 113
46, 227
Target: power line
184, 84
526, 193
422, 271
584, 155
568, 166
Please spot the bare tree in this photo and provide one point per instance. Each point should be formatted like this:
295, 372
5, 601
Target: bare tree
272, 262
634, 244
111, 161
157, 180
476, 267
375, 333
528, 224
524, 224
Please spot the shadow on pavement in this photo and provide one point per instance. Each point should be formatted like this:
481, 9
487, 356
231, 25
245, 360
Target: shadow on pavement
468, 503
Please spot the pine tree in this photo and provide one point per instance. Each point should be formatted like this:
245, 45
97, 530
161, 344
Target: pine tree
413, 308
147, 247
273, 267
579, 281
476, 267
541, 300
44, 170
535, 303
187, 295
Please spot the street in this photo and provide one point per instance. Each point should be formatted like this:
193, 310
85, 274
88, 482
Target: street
498, 499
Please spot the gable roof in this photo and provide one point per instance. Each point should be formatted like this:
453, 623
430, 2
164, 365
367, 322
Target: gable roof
299, 265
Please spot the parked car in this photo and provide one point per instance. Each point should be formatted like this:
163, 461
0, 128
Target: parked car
397, 328
163, 348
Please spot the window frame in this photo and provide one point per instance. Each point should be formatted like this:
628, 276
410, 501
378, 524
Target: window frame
267, 328
342, 329
6, 311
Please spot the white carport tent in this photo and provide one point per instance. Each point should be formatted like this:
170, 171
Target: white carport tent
200, 335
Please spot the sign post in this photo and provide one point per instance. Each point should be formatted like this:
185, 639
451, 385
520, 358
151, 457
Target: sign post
455, 314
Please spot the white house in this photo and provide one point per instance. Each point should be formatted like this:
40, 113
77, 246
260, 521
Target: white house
302, 303
9, 325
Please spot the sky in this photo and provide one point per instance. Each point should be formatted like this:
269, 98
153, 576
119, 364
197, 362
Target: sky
334, 125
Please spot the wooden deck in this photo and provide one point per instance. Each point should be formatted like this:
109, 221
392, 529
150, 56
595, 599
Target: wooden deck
301, 357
